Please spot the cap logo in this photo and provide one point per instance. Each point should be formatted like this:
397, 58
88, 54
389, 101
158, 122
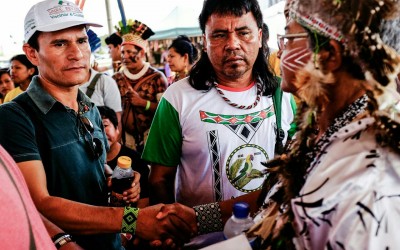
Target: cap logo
65, 9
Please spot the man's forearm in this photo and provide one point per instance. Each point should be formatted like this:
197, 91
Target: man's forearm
81, 218
162, 192
162, 184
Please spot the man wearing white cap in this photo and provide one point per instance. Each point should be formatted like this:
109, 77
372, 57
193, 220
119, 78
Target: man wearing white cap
58, 140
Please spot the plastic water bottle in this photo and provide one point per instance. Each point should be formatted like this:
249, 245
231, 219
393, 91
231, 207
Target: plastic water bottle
121, 180
239, 222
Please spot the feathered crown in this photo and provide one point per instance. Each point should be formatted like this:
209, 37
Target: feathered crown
135, 33
355, 24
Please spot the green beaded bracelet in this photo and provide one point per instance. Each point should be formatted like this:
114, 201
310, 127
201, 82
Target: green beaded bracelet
148, 103
129, 220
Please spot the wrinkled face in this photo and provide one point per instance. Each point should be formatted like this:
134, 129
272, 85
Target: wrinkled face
115, 52
232, 44
112, 132
176, 62
295, 56
132, 58
6, 84
63, 58
20, 74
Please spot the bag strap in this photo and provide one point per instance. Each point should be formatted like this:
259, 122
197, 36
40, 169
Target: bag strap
90, 88
277, 101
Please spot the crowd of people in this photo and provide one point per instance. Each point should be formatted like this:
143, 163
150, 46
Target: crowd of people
312, 146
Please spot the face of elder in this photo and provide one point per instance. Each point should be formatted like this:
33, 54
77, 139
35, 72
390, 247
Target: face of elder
295, 55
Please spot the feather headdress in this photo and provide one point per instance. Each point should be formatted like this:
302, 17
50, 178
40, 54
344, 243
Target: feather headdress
135, 33
356, 25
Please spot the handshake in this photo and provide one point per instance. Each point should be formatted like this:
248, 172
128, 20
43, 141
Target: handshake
167, 226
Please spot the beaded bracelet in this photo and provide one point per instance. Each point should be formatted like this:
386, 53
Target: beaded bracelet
129, 220
148, 103
208, 218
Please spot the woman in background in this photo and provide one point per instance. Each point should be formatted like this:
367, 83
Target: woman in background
6, 84
22, 71
182, 54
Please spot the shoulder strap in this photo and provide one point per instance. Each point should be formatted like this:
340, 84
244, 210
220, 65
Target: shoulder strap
280, 134
90, 88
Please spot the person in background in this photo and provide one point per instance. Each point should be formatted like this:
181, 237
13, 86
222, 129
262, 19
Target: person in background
340, 181
58, 139
22, 72
6, 84
221, 120
271, 56
142, 82
164, 62
103, 91
112, 131
182, 54
114, 42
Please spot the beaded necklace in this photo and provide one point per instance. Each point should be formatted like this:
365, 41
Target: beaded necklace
339, 122
258, 98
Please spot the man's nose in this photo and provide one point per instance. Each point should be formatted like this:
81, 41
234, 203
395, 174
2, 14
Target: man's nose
233, 41
75, 51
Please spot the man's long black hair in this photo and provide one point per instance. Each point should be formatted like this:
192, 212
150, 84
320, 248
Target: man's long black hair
202, 74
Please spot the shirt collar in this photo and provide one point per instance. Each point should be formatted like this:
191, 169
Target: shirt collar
44, 101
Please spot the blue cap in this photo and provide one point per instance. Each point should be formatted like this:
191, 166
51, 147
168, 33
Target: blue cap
94, 40
241, 210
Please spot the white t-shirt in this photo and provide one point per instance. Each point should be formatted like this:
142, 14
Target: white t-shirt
106, 92
218, 148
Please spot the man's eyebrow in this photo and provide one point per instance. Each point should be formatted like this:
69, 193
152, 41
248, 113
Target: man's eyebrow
61, 40
226, 30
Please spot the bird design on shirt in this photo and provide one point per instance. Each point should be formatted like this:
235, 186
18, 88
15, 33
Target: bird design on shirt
242, 177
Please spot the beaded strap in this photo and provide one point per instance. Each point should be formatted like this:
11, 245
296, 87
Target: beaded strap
258, 98
208, 218
129, 220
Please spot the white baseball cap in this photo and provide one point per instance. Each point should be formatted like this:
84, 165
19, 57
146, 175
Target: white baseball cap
53, 15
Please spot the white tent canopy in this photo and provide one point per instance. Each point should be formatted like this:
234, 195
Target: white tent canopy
183, 20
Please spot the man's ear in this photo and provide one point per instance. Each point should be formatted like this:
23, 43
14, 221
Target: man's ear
31, 54
331, 57
260, 38
204, 43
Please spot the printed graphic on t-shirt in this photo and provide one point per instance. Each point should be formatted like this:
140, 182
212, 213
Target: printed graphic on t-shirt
243, 166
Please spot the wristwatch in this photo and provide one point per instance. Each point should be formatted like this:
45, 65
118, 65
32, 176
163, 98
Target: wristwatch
61, 239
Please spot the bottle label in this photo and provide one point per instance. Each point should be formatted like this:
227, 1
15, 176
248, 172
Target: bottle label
117, 188
116, 200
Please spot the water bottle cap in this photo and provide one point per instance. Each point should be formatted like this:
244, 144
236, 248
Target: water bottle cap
241, 210
124, 162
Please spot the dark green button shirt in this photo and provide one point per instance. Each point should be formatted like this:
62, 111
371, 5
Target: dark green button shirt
72, 171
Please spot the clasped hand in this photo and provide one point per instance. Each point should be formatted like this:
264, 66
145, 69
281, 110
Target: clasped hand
167, 226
